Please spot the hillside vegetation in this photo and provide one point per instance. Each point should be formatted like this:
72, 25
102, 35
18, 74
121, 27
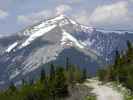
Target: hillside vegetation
60, 82
122, 69
52, 86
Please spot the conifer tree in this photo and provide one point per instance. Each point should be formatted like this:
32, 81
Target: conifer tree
43, 75
23, 82
117, 58
12, 87
51, 82
52, 71
31, 82
61, 86
129, 51
67, 63
84, 75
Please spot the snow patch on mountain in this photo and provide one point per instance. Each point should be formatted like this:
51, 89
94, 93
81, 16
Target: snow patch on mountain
73, 22
37, 34
58, 18
68, 37
110, 31
11, 47
87, 29
14, 74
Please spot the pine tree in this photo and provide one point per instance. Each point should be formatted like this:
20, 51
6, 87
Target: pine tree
84, 75
51, 82
101, 74
23, 82
77, 75
43, 75
129, 45
52, 71
129, 83
31, 82
129, 52
61, 86
117, 66
12, 87
67, 63
117, 59
70, 74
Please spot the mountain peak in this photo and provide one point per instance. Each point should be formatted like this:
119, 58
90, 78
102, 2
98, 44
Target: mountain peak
64, 18
59, 17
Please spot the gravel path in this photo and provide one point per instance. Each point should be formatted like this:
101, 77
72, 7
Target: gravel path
103, 92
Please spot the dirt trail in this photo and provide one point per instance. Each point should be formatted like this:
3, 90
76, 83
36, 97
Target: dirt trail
103, 92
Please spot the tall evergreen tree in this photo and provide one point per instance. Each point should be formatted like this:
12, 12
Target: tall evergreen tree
67, 63
43, 75
84, 75
61, 86
23, 82
31, 82
12, 87
117, 58
51, 82
129, 51
52, 71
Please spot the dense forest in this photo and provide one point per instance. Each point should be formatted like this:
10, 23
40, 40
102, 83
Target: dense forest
122, 69
52, 86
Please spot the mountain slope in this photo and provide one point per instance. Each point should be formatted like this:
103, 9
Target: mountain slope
22, 54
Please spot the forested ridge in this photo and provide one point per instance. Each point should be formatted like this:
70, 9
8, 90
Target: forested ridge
122, 69
52, 86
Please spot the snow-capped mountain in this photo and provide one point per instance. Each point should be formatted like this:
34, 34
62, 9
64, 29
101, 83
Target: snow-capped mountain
52, 40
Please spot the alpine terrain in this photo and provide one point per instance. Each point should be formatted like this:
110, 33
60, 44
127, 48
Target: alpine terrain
53, 40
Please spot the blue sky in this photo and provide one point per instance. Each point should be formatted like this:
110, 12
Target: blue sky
109, 14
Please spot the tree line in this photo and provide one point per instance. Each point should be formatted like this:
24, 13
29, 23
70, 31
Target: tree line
121, 71
53, 85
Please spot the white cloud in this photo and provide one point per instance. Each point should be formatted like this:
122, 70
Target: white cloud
3, 14
38, 16
109, 15
109, 12
112, 16
34, 17
61, 9
81, 17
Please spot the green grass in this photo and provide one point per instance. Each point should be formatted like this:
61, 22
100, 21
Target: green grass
90, 98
